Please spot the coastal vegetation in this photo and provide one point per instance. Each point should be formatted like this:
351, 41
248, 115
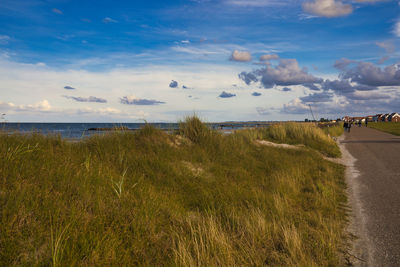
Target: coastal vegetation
192, 198
389, 127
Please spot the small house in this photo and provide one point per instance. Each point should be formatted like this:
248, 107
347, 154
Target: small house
394, 117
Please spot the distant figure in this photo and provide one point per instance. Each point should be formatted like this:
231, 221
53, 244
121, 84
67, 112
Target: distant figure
349, 126
345, 125
366, 122
359, 123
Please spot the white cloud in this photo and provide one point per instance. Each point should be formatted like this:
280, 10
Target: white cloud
109, 20
328, 8
396, 29
42, 106
4, 39
269, 57
242, 56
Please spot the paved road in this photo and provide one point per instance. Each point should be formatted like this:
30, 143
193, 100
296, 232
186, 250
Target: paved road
377, 157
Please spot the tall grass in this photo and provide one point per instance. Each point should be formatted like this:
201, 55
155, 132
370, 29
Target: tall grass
148, 198
307, 134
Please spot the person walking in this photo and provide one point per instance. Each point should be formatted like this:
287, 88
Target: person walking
366, 122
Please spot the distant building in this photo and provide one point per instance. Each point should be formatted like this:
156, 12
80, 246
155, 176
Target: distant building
394, 117
386, 117
377, 118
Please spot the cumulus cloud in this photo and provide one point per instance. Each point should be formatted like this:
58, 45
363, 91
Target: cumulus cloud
42, 106
327, 8
69, 87
109, 20
286, 73
87, 99
295, 106
173, 84
269, 57
132, 100
57, 11
256, 94
226, 95
311, 86
4, 39
396, 29
241, 56
367, 73
344, 87
317, 97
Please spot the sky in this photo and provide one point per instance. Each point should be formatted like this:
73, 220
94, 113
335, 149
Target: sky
223, 60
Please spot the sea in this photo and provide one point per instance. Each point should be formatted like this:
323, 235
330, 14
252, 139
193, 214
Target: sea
82, 130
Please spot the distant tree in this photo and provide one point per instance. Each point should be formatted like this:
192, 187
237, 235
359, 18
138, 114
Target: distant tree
306, 120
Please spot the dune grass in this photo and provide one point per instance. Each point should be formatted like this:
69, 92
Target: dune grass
307, 134
197, 198
389, 127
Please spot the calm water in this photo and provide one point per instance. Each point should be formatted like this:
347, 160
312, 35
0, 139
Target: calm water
79, 130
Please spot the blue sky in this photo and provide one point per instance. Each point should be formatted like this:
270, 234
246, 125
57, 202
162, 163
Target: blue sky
120, 57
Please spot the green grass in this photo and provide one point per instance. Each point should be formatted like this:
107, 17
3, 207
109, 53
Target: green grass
197, 198
389, 127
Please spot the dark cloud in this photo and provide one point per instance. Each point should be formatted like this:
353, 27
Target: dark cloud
129, 100
226, 95
69, 87
311, 86
286, 73
344, 87
248, 77
286, 89
369, 74
256, 94
87, 99
343, 63
173, 84
317, 97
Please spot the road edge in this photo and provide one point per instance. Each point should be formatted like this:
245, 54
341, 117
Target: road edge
360, 250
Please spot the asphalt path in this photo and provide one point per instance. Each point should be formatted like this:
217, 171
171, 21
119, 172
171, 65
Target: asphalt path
377, 191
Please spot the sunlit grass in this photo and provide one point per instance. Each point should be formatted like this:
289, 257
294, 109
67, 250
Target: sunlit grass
389, 127
197, 198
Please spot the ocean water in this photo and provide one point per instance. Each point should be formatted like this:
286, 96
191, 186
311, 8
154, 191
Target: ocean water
81, 130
